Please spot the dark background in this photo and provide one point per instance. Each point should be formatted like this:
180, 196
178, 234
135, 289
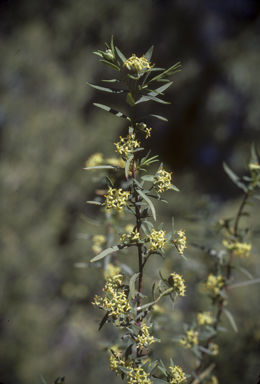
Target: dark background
48, 129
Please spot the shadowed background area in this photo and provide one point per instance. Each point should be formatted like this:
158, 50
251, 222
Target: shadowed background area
48, 129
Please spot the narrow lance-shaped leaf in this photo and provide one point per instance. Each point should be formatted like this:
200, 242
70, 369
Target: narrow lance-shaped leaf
111, 110
102, 167
132, 285
106, 89
234, 177
159, 117
231, 319
106, 252
127, 165
120, 54
143, 195
111, 65
149, 53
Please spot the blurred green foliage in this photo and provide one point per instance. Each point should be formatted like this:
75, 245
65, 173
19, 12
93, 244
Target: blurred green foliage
48, 128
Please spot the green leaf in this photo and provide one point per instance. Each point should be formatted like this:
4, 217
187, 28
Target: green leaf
148, 54
109, 64
105, 89
113, 111
157, 381
234, 177
94, 203
42, 378
244, 283
170, 71
106, 252
174, 188
148, 202
153, 98
132, 285
159, 117
112, 45
120, 54
254, 157
102, 167
127, 165
243, 270
130, 100
231, 320
98, 54
148, 178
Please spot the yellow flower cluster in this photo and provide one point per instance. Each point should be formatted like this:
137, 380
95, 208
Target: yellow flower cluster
143, 128
143, 338
116, 360
163, 180
132, 237
238, 249
98, 240
94, 160
204, 318
116, 198
213, 348
177, 282
157, 239
190, 339
214, 283
126, 145
138, 376
177, 375
181, 241
136, 64
114, 301
111, 270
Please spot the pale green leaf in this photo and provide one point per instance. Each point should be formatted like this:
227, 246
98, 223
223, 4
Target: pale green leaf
148, 202
113, 111
120, 54
106, 89
132, 285
231, 320
106, 252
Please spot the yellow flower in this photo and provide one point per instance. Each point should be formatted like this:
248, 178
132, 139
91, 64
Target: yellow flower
214, 284
138, 376
157, 239
126, 145
176, 281
177, 375
213, 348
136, 64
190, 339
132, 237
181, 241
143, 338
238, 249
116, 198
114, 300
163, 180
94, 160
98, 240
144, 129
204, 318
